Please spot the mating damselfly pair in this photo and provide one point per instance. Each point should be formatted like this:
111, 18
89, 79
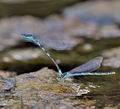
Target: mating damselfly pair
85, 69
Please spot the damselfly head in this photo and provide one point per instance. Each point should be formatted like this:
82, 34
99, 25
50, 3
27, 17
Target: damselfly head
27, 37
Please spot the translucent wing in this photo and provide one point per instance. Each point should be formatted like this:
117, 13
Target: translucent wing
90, 66
85, 69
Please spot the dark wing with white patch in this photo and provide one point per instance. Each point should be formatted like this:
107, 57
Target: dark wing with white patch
90, 66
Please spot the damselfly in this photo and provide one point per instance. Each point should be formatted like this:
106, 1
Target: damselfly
85, 69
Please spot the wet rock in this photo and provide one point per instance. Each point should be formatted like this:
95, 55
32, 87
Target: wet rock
7, 84
112, 57
52, 105
47, 80
22, 54
97, 11
7, 37
44, 89
7, 74
109, 31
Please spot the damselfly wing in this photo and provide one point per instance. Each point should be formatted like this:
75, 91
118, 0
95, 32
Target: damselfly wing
90, 66
87, 69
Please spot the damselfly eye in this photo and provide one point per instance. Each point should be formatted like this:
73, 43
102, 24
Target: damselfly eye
27, 35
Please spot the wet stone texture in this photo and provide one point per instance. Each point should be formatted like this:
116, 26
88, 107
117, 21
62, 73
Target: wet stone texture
42, 90
112, 57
